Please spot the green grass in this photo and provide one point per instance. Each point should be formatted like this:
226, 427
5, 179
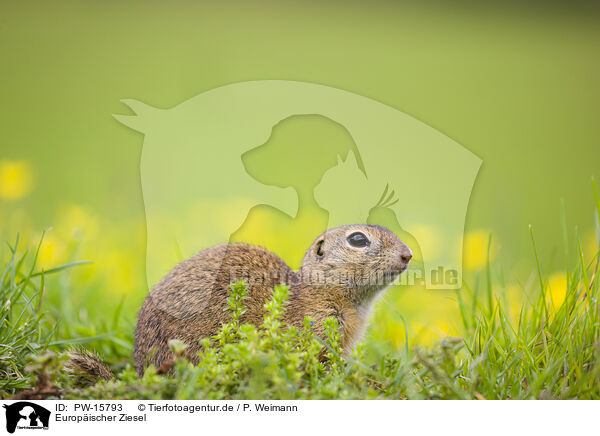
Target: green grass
22, 331
547, 350
27, 327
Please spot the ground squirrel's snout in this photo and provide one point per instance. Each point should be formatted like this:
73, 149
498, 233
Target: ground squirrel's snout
405, 257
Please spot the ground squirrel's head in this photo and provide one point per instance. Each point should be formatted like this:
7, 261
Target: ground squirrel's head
364, 259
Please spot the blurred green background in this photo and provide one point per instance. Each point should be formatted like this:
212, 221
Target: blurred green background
515, 84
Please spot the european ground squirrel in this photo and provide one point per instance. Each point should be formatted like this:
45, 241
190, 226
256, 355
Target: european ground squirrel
342, 273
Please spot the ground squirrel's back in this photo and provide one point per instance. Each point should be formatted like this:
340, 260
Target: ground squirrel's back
190, 302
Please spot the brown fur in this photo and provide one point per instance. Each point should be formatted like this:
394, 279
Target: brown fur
190, 302
86, 368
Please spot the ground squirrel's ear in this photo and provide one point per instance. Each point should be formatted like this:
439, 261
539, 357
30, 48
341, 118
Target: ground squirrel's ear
319, 248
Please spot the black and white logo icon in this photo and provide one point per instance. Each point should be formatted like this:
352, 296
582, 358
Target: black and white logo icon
26, 415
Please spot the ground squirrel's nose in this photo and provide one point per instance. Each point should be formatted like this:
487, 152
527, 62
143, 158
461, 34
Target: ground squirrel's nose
406, 255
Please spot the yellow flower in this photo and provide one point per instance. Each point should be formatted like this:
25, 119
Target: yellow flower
475, 249
558, 288
53, 252
514, 295
16, 179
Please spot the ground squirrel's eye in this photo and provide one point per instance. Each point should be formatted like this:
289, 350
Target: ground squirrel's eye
319, 248
358, 239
